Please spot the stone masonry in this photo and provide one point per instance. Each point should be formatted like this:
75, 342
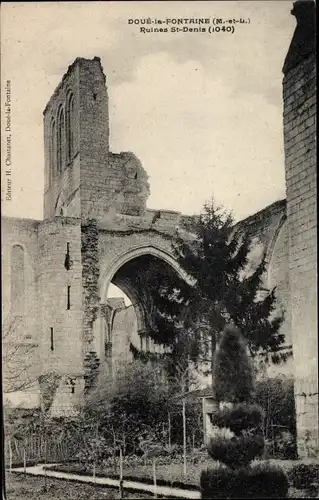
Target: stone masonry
97, 230
299, 93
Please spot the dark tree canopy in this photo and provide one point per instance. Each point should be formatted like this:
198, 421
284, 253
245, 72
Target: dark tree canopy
189, 317
233, 376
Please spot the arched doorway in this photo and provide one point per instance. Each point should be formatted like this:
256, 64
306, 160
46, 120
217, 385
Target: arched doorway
129, 322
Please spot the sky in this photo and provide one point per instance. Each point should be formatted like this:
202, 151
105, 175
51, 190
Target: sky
203, 112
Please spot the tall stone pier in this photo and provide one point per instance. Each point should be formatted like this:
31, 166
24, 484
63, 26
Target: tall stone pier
299, 94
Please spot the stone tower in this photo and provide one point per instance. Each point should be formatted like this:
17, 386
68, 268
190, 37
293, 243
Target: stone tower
299, 93
82, 178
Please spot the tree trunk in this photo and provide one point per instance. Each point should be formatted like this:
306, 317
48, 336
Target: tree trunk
10, 455
121, 475
45, 463
213, 344
114, 450
154, 478
184, 436
169, 431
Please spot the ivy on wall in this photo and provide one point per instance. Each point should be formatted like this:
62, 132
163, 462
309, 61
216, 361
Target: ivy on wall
91, 299
49, 383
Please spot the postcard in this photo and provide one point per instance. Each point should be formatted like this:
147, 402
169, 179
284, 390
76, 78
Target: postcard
159, 229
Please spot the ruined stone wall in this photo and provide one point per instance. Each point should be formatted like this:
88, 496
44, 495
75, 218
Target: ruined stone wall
61, 188
129, 184
264, 224
60, 300
92, 181
299, 94
119, 186
63, 198
20, 329
91, 299
278, 276
24, 233
94, 136
115, 245
49, 330
268, 230
123, 333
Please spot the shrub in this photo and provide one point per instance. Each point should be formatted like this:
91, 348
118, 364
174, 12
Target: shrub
275, 395
267, 481
233, 372
237, 451
258, 481
302, 476
238, 418
218, 483
95, 450
239, 438
284, 446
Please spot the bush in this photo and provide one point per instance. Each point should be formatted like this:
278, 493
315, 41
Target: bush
237, 451
218, 483
239, 437
238, 418
284, 446
267, 481
96, 450
303, 476
276, 398
233, 371
261, 480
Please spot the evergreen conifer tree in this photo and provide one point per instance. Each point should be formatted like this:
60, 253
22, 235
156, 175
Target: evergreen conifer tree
239, 438
189, 317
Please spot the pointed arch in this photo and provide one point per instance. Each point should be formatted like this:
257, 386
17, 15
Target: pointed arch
60, 140
52, 151
119, 260
70, 129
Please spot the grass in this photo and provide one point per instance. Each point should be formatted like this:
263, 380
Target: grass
172, 474
165, 474
19, 487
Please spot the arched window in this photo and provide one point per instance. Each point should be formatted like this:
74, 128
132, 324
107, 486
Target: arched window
70, 126
17, 280
52, 151
61, 140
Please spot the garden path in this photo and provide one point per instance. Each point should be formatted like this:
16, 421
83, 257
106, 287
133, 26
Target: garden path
163, 491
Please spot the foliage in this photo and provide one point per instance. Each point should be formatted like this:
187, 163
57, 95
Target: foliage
32, 488
281, 446
17, 421
233, 372
49, 383
276, 398
127, 408
189, 317
237, 451
131, 414
261, 480
266, 480
302, 476
217, 483
241, 480
218, 260
310, 446
95, 451
169, 471
238, 418
17, 356
234, 383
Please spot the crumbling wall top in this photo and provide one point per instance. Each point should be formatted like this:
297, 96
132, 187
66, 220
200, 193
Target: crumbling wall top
77, 62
